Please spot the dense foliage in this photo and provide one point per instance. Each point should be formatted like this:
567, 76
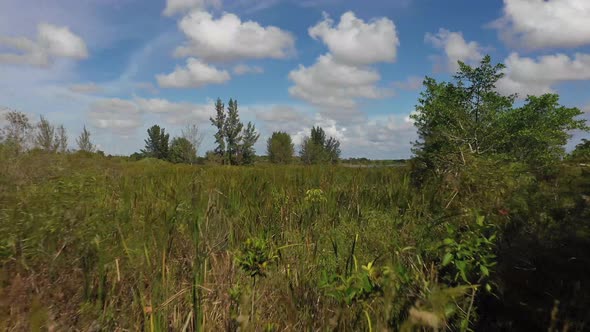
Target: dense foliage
234, 142
280, 148
316, 149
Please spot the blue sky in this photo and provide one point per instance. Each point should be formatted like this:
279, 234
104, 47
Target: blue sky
352, 67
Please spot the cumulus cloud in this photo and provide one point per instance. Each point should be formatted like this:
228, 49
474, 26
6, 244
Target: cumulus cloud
85, 88
195, 74
242, 69
123, 117
52, 42
228, 38
182, 6
536, 24
455, 49
117, 115
330, 84
173, 112
528, 76
355, 42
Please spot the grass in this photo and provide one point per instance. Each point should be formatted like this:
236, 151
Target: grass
93, 243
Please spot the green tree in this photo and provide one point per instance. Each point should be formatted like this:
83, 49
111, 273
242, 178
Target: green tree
465, 119
156, 145
455, 119
582, 152
280, 148
233, 132
17, 131
219, 123
61, 139
45, 136
182, 151
84, 142
537, 132
315, 149
246, 148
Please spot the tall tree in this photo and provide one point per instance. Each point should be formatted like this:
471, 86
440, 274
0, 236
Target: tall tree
17, 131
280, 148
193, 134
219, 123
246, 148
182, 151
84, 142
156, 145
61, 139
315, 149
233, 132
332, 148
45, 136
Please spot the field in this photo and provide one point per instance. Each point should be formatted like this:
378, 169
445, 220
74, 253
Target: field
95, 243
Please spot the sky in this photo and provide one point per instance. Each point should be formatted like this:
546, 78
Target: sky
352, 67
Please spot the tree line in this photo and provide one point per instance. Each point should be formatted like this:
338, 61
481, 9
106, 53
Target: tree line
234, 142
19, 135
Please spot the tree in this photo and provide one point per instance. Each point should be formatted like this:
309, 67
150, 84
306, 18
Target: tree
45, 136
61, 139
219, 123
17, 131
156, 145
332, 148
233, 131
582, 152
246, 149
83, 141
461, 118
182, 151
466, 119
315, 149
537, 132
235, 144
280, 148
193, 134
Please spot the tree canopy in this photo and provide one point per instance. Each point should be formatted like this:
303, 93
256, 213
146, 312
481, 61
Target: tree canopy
316, 149
280, 148
468, 118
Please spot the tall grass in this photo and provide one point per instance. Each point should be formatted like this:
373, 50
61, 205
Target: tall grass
93, 243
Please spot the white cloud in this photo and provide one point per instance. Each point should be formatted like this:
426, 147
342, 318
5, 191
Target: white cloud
228, 38
182, 6
355, 42
123, 117
175, 113
455, 48
52, 42
117, 115
196, 74
536, 24
526, 75
330, 84
85, 88
242, 69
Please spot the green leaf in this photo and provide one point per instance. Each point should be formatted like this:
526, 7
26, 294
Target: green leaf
484, 270
448, 241
447, 259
